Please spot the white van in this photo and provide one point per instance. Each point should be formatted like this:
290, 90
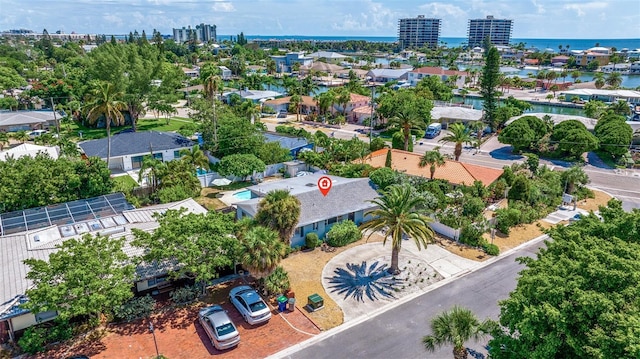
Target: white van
433, 130
35, 133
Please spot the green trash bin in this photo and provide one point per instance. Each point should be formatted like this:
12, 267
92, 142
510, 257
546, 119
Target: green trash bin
282, 303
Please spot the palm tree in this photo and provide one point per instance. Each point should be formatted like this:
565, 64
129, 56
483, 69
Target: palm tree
599, 77
195, 156
614, 80
343, 97
463, 93
477, 127
296, 100
4, 140
574, 176
280, 211
433, 159
212, 85
262, 250
21, 136
407, 119
105, 101
153, 169
575, 74
397, 213
458, 135
456, 327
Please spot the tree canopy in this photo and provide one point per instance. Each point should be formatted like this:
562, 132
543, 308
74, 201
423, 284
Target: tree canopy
579, 297
86, 276
199, 244
241, 165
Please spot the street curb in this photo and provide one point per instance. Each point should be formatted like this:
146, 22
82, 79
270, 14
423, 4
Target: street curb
286, 353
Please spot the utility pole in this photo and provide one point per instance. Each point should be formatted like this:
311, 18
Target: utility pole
55, 118
373, 106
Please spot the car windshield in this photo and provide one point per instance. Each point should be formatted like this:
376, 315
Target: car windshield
257, 306
225, 329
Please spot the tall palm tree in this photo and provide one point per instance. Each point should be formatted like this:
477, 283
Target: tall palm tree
213, 84
477, 127
105, 100
397, 212
195, 156
456, 327
614, 80
407, 119
458, 135
433, 159
4, 140
296, 101
343, 98
280, 211
262, 250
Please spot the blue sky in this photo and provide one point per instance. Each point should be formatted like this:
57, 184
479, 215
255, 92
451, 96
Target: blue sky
589, 19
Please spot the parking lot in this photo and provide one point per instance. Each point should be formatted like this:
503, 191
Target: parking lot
179, 335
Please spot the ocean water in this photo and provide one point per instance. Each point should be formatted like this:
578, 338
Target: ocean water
574, 44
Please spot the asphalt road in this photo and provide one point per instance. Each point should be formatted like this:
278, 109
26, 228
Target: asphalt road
397, 333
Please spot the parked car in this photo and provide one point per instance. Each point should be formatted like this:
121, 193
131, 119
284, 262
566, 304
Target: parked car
219, 327
250, 305
35, 133
282, 114
433, 130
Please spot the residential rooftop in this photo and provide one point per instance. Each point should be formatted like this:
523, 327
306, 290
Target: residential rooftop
131, 143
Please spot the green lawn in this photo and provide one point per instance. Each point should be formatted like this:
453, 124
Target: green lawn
124, 182
175, 123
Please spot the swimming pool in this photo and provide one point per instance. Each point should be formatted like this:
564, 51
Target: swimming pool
242, 195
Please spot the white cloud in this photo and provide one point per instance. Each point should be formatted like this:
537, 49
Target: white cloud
223, 6
581, 9
539, 7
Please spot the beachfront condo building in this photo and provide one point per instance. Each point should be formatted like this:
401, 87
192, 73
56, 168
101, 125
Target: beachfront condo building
498, 31
418, 32
202, 33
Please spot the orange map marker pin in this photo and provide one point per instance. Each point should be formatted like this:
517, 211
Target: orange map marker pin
324, 185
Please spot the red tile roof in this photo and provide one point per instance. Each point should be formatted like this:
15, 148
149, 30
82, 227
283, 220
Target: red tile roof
453, 171
439, 71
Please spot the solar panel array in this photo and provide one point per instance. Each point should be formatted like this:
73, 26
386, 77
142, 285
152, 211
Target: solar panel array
62, 214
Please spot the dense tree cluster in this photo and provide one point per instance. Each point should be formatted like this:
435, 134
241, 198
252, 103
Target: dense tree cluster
579, 297
29, 182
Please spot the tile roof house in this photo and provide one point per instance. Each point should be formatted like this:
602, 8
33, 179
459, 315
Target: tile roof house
129, 148
307, 106
106, 215
356, 101
13, 121
456, 173
348, 199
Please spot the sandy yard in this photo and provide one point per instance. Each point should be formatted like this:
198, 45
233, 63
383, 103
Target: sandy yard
305, 268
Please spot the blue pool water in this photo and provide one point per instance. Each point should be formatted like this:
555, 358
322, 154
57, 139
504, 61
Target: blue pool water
243, 195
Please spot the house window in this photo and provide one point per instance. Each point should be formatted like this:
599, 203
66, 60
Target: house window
176, 154
352, 216
298, 231
315, 226
136, 162
44, 316
332, 220
155, 281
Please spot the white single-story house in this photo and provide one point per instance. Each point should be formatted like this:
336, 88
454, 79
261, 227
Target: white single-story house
328, 56
13, 121
128, 149
34, 233
388, 75
225, 73
453, 114
253, 95
348, 199
27, 149
631, 96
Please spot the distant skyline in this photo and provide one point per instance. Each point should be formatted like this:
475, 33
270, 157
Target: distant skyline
554, 19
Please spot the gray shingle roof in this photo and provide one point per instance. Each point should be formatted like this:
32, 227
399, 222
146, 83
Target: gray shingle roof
135, 143
290, 143
14, 118
347, 195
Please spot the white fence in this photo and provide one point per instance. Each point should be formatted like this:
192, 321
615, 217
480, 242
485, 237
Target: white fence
207, 178
445, 230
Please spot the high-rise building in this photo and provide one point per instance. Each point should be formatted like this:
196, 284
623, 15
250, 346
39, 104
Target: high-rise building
498, 31
202, 32
418, 32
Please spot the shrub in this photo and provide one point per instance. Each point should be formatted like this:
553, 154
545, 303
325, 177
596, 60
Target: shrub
343, 233
185, 294
471, 235
33, 340
311, 240
60, 332
277, 282
135, 308
507, 218
490, 249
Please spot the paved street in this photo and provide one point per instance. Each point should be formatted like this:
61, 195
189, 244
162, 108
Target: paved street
397, 332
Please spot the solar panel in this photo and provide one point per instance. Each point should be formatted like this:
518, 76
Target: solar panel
67, 215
